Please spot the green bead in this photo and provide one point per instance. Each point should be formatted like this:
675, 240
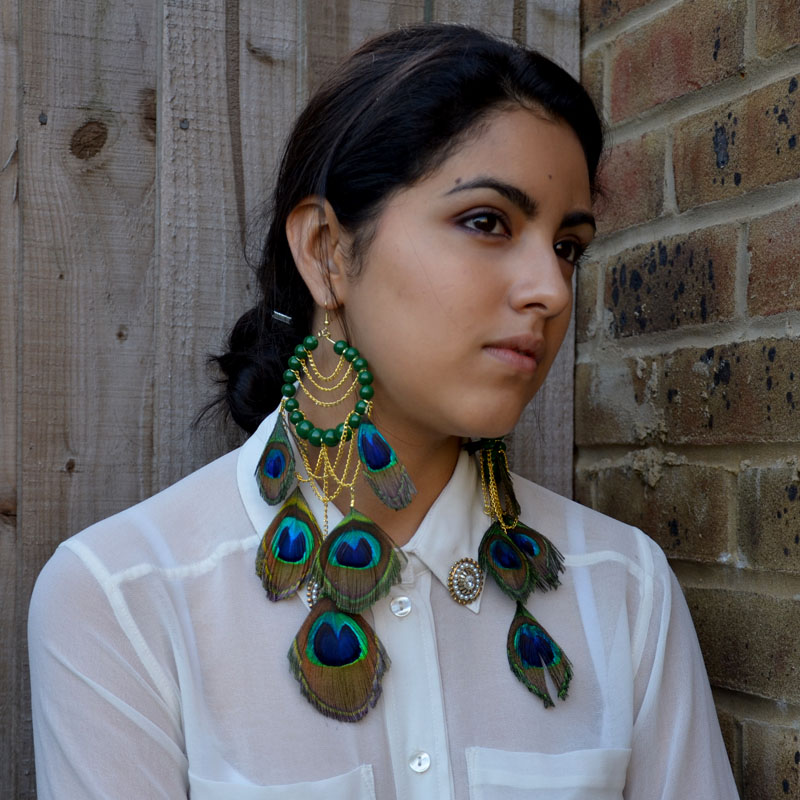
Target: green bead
365, 377
300, 352
315, 437
340, 430
310, 343
362, 407
331, 438
350, 354
304, 429
340, 346
354, 420
360, 363
296, 417
288, 390
348, 434
289, 376
366, 392
291, 404
295, 364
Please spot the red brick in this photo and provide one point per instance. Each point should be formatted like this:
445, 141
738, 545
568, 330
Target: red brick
731, 729
777, 26
597, 14
774, 245
694, 44
749, 641
613, 404
631, 178
740, 392
592, 77
751, 142
586, 300
771, 755
686, 508
769, 517
683, 280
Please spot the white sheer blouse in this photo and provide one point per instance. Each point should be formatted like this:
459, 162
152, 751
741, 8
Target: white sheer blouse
159, 666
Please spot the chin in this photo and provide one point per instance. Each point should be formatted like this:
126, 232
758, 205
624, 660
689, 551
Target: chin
494, 422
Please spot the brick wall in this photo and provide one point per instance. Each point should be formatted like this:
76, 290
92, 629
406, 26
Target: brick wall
688, 360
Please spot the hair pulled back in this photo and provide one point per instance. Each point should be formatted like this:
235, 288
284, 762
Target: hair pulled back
391, 113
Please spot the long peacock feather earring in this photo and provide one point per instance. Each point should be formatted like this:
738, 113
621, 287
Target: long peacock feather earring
520, 560
336, 656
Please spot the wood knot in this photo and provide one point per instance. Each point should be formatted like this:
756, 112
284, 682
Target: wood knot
89, 139
148, 108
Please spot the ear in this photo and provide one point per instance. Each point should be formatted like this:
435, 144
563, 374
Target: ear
319, 246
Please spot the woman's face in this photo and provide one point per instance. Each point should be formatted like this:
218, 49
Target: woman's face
466, 288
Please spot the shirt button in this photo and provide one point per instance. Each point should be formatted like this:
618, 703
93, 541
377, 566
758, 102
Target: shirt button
401, 607
420, 761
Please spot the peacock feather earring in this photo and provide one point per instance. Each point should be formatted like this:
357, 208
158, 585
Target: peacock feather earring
336, 656
520, 560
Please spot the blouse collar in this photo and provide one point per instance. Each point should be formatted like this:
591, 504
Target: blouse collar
451, 530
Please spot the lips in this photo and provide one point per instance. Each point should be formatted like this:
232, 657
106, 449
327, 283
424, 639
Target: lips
524, 352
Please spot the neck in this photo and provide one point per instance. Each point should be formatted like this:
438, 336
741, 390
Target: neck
430, 467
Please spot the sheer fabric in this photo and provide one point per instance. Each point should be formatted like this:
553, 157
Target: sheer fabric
159, 666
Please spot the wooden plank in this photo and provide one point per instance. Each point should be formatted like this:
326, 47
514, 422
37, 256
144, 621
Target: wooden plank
543, 442
496, 16
11, 608
202, 285
331, 30
86, 179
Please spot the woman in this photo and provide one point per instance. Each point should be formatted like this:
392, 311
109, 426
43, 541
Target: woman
433, 201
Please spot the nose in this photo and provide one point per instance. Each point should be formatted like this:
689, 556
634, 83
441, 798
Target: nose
542, 282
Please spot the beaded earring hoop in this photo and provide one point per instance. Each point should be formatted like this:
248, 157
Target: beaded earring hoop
336, 657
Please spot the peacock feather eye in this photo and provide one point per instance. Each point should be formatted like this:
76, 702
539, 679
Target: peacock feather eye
532, 651
505, 562
275, 469
357, 563
387, 477
288, 548
339, 662
545, 561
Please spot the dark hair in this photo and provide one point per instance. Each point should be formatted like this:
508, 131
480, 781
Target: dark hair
392, 112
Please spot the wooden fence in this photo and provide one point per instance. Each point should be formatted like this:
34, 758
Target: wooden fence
136, 140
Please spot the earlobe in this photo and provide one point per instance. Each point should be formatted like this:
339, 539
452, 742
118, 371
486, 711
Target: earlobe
317, 243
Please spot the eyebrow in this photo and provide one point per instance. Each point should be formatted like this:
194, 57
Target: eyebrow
523, 201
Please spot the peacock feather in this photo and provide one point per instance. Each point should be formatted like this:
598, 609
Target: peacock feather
339, 662
288, 548
275, 470
543, 556
531, 651
505, 562
387, 477
357, 563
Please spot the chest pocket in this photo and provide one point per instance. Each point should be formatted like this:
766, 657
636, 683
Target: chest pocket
358, 784
577, 775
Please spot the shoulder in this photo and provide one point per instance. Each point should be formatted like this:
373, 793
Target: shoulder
586, 537
192, 522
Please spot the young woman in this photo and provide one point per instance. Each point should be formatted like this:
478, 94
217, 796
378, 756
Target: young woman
434, 199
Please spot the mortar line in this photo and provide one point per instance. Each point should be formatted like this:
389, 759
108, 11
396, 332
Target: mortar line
633, 19
750, 205
742, 271
757, 75
750, 46
721, 334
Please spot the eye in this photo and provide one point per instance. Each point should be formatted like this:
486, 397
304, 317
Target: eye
569, 250
487, 222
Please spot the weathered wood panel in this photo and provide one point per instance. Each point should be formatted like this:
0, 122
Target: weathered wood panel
12, 604
87, 170
201, 283
543, 441
149, 132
